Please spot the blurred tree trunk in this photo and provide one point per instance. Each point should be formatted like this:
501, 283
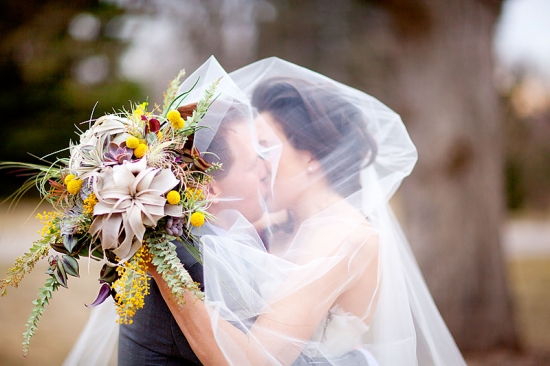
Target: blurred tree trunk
431, 61
455, 200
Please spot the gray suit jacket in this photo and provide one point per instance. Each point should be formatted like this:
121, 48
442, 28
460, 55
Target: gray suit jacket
154, 337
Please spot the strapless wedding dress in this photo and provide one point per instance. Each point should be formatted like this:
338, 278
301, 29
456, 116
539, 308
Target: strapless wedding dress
339, 334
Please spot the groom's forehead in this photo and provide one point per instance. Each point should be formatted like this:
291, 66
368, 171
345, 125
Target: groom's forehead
242, 139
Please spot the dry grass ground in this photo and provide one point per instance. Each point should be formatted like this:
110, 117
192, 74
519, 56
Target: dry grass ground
66, 315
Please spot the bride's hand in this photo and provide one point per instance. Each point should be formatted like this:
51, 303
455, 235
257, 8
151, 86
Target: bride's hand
272, 220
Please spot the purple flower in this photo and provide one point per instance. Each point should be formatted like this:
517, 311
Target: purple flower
104, 293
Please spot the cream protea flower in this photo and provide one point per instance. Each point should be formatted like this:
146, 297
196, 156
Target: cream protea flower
131, 198
87, 156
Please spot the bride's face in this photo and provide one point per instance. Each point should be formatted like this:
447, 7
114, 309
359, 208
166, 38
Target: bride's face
291, 178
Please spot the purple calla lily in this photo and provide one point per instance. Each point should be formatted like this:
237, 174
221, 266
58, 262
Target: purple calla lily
104, 293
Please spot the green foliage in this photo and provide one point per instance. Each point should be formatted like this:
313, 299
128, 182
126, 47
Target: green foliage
204, 104
44, 296
37, 180
24, 264
170, 96
515, 194
171, 269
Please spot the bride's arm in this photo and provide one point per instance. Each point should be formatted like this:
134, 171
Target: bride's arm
279, 334
295, 317
194, 322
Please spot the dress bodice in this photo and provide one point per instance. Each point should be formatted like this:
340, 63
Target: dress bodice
338, 333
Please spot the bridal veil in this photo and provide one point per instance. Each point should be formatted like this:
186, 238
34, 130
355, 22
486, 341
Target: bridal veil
362, 149
339, 258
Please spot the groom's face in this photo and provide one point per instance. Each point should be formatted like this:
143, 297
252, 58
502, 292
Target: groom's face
246, 182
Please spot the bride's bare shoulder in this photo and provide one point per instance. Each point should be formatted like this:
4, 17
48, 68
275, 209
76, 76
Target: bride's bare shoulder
348, 230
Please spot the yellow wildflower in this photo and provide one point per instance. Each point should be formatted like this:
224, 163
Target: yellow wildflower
68, 178
74, 186
197, 219
194, 194
140, 150
132, 142
47, 219
140, 109
133, 285
173, 197
89, 204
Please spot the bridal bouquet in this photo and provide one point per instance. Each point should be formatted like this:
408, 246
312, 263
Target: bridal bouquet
132, 186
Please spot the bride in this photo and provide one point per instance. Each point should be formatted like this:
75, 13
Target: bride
332, 279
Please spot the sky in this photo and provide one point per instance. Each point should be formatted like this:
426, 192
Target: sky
522, 36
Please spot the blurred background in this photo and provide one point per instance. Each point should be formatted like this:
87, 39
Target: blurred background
470, 78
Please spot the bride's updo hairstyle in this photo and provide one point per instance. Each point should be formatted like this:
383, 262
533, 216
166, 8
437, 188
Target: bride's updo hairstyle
316, 119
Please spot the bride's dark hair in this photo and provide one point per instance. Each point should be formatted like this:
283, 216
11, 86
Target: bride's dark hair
315, 118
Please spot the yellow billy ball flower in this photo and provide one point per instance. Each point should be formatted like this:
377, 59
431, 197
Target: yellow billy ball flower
173, 115
140, 151
132, 142
197, 219
68, 178
173, 197
178, 124
74, 186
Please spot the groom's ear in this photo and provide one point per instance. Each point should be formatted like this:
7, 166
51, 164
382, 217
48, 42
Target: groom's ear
214, 189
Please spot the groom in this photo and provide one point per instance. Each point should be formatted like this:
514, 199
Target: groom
155, 338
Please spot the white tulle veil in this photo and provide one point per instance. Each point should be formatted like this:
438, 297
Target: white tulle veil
393, 320
367, 301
